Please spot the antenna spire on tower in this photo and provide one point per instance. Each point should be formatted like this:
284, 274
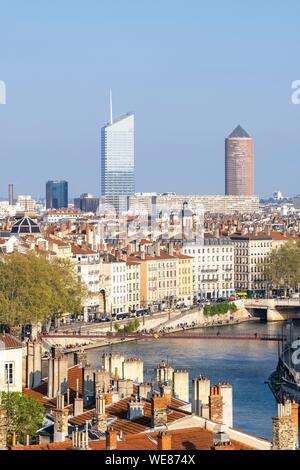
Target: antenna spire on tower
110, 108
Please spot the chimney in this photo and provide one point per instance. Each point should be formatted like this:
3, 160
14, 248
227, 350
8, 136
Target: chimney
221, 440
80, 440
57, 372
216, 405
164, 441
166, 391
145, 391
283, 428
101, 423
200, 395
181, 385
171, 248
78, 402
111, 439
159, 410
61, 416
33, 364
135, 409
226, 394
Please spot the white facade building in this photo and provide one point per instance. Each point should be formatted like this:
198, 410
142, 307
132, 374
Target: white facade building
10, 364
213, 267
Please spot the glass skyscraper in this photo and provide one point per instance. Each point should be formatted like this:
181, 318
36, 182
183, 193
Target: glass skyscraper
117, 161
56, 195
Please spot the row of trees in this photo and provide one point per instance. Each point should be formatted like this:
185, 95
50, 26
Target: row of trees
34, 289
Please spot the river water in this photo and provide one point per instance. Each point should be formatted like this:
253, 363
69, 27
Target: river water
247, 365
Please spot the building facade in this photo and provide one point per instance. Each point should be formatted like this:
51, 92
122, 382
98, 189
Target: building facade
213, 267
87, 203
117, 162
56, 194
251, 254
239, 163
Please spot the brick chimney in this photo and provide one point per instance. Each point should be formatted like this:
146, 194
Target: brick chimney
111, 439
216, 405
283, 428
166, 391
159, 410
164, 441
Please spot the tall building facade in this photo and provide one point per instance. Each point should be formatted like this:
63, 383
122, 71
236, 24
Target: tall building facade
239, 163
87, 203
117, 161
11, 194
56, 194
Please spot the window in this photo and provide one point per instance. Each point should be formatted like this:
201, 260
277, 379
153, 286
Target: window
9, 373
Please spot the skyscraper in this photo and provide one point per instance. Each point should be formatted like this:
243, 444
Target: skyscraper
117, 161
239, 163
56, 195
11, 194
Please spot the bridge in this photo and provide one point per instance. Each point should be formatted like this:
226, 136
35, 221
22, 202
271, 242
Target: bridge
187, 335
274, 309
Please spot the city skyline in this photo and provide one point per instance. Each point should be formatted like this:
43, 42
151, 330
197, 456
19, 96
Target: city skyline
184, 107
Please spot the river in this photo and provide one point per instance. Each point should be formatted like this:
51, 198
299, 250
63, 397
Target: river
244, 364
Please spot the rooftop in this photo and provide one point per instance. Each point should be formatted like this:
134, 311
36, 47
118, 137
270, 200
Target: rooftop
239, 133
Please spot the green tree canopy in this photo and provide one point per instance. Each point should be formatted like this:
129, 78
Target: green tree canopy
33, 288
283, 269
24, 415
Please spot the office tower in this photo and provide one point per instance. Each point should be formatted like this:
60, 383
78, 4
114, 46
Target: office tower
56, 194
87, 203
239, 163
11, 194
117, 161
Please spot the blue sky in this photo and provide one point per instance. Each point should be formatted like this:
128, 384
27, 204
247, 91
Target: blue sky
190, 70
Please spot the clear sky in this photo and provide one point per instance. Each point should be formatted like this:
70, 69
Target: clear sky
191, 70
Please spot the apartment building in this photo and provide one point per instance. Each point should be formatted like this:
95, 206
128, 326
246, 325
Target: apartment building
133, 274
250, 258
114, 283
185, 279
213, 267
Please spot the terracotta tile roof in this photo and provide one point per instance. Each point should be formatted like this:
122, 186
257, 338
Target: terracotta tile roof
40, 392
9, 342
119, 411
77, 250
182, 439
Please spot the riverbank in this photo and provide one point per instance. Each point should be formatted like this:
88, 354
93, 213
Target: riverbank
184, 321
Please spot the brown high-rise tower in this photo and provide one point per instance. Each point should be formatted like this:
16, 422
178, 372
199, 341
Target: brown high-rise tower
239, 163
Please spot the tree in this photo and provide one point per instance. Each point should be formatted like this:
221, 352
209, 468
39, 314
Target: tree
283, 268
24, 415
33, 289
